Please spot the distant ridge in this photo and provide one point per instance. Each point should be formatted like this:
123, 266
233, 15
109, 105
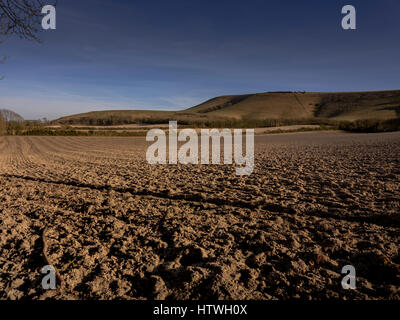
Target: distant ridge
350, 106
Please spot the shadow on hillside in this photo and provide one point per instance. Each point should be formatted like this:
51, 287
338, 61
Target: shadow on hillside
396, 109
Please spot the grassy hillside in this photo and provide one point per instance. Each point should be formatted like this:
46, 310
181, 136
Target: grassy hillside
290, 105
260, 106
293, 106
381, 105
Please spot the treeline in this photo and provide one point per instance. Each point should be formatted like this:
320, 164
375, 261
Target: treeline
254, 123
85, 133
41, 128
199, 121
15, 128
110, 121
370, 125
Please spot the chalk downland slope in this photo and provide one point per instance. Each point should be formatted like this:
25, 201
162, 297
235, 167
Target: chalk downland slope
349, 106
290, 105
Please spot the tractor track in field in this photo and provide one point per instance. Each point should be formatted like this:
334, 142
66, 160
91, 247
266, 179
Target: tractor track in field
383, 220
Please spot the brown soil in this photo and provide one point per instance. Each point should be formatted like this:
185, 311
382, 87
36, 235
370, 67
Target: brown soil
115, 227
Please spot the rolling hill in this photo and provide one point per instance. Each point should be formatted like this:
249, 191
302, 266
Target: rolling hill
349, 106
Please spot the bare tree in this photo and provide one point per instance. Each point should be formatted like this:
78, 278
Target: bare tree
2, 62
21, 18
10, 116
3, 126
9, 121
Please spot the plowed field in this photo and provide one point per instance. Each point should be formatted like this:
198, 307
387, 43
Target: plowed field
114, 226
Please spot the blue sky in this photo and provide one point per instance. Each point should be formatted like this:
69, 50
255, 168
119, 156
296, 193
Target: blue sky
170, 55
